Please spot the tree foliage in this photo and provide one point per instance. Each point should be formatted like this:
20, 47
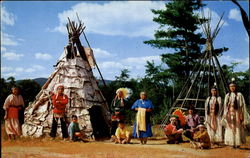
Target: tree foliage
29, 89
178, 31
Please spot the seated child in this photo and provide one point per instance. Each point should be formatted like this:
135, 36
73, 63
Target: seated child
201, 138
122, 135
74, 129
173, 132
192, 119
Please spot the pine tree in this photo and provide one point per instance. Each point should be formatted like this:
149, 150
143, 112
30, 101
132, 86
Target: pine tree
178, 31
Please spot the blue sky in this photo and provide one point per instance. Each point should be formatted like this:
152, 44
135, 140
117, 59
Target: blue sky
33, 35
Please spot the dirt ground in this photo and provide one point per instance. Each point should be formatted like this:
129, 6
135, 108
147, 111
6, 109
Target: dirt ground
157, 148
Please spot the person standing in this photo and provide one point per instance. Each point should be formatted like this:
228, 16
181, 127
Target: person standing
117, 108
59, 101
118, 112
235, 117
213, 111
12, 105
142, 127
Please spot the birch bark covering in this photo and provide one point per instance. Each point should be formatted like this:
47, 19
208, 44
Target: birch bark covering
80, 86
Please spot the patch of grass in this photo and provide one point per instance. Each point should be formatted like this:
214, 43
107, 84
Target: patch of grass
3, 133
157, 132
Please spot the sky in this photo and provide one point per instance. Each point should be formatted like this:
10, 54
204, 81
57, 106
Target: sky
33, 35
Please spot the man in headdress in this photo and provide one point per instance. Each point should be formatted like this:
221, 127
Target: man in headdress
118, 111
213, 110
235, 117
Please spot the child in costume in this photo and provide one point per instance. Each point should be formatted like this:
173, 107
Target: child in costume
201, 138
122, 135
74, 130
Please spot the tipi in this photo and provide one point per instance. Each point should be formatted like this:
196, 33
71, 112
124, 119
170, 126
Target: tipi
205, 73
74, 71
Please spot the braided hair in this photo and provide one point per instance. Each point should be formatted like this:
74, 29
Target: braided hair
216, 105
236, 107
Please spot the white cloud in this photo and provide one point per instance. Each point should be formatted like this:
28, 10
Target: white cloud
29, 70
234, 14
243, 62
6, 75
6, 69
12, 56
129, 18
141, 60
136, 66
247, 38
215, 17
130, 63
111, 64
7, 18
43, 56
100, 53
8, 40
19, 69
3, 49
38, 67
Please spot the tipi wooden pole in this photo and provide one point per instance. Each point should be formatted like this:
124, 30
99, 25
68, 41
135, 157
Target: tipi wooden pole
225, 87
95, 61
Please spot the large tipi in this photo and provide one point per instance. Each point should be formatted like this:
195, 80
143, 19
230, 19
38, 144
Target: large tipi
205, 74
74, 71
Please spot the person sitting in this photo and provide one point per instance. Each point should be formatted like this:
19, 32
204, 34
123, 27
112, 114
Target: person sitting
192, 120
122, 136
173, 132
74, 129
201, 138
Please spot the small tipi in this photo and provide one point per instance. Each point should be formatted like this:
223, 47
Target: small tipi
74, 71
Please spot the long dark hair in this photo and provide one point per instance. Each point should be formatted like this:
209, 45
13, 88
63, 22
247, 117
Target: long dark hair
216, 105
15, 87
236, 107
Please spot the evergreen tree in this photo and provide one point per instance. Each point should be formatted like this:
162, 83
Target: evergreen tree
178, 31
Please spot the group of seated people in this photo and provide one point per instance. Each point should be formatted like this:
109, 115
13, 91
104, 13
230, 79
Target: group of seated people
122, 135
192, 129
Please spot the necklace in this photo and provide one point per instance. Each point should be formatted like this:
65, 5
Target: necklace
142, 101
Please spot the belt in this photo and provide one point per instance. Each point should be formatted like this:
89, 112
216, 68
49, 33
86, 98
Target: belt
15, 106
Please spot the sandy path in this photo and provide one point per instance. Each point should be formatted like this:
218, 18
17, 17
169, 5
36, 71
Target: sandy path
44, 148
